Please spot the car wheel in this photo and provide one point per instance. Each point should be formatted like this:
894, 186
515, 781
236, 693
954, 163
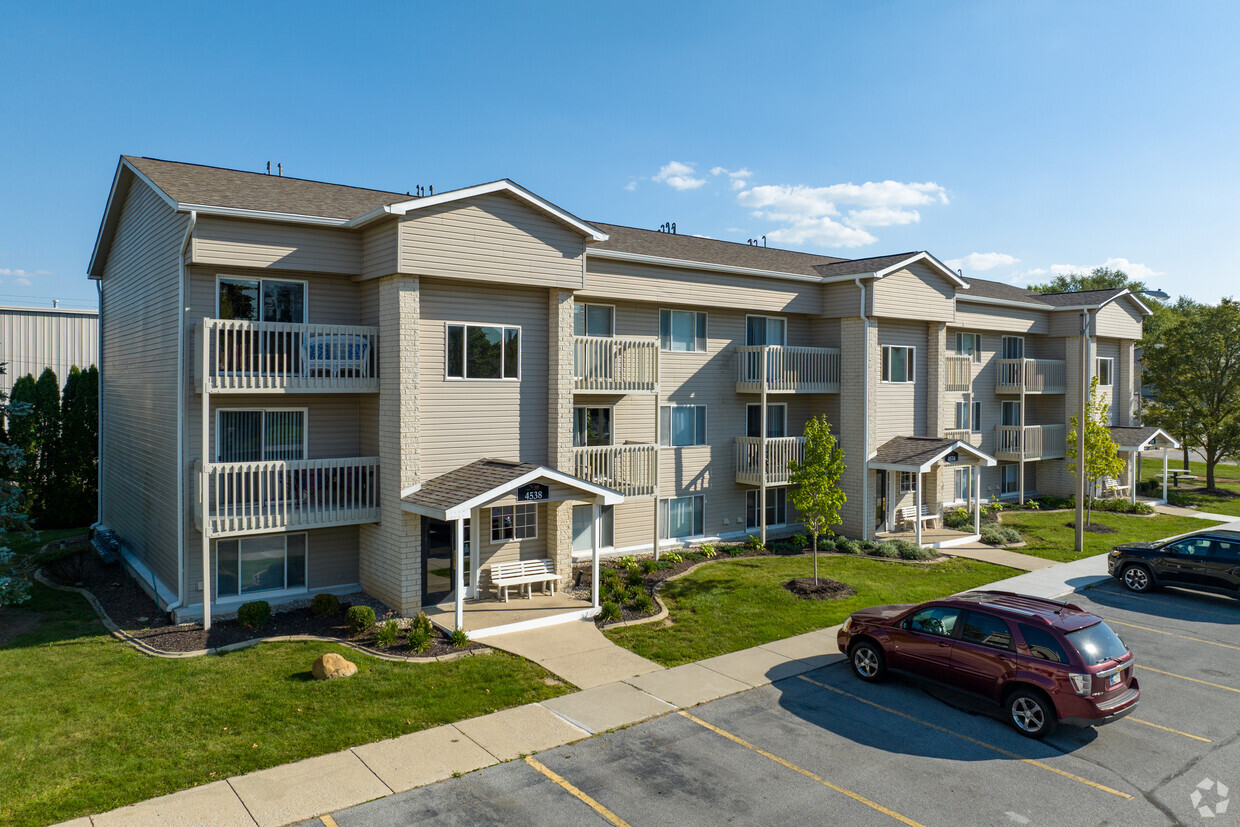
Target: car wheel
867, 661
1031, 714
1137, 578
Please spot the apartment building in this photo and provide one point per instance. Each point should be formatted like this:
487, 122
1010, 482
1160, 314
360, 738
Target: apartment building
310, 387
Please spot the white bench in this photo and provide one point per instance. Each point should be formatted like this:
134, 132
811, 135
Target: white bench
523, 573
1108, 486
909, 512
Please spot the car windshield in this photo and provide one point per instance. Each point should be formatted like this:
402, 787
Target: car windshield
1097, 643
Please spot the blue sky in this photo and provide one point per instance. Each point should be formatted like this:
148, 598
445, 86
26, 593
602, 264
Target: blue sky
1014, 140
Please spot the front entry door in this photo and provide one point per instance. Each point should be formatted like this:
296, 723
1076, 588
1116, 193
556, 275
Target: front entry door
439, 560
880, 516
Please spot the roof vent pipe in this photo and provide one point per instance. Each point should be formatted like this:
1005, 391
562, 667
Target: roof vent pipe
55, 303
280, 170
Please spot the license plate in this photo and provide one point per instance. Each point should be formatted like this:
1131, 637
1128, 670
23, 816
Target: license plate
1114, 679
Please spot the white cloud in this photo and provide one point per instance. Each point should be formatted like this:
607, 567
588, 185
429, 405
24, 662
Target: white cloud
981, 262
630, 186
881, 217
1134, 269
9, 271
739, 177
823, 232
679, 176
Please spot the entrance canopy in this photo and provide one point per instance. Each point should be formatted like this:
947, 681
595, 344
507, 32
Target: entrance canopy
1135, 438
921, 453
454, 495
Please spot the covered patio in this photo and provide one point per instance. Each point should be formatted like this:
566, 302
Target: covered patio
498, 512
1134, 440
911, 458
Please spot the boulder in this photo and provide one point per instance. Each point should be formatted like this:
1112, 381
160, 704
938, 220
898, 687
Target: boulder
331, 666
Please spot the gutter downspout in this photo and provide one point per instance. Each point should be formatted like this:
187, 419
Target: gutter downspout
99, 407
181, 310
865, 420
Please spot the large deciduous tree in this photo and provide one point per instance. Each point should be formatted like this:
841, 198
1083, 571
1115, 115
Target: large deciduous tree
1194, 363
816, 491
1101, 453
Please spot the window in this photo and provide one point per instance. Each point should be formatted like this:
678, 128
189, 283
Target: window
776, 507
1013, 347
681, 425
682, 330
765, 330
583, 527
591, 426
934, 620
986, 630
1193, 547
268, 562
961, 476
1011, 413
1106, 371
483, 352
262, 300
594, 320
1009, 478
898, 363
963, 423
1042, 644
969, 344
776, 420
1226, 552
514, 522
681, 517
908, 482
254, 436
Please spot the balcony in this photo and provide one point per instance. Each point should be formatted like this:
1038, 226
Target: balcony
779, 452
610, 365
959, 373
1030, 442
633, 470
234, 356
1036, 375
964, 435
788, 369
256, 497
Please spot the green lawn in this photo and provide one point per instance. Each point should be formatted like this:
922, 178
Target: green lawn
1151, 467
1049, 535
736, 604
1189, 492
88, 724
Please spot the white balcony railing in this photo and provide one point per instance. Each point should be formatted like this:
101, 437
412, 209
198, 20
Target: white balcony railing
1030, 442
241, 356
608, 364
959, 373
1038, 375
788, 369
253, 497
779, 452
633, 470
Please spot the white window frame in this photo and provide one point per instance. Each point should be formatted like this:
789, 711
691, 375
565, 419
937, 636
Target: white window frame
783, 405
966, 474
532, 509
700, 440
751, 501
783, 319
1009, 405
465, 357
305, 428
1110, 363
247, 596
587, 305
611, 422
911, 364
975, 425
1003, 467
1003, 346
976, 355
908, 482
705, 338
305, 283
665, 521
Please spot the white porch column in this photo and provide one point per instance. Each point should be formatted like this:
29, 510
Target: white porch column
1133, 476
458, 542
890, 524
1164, 475
598, 528
917, 513
975, 479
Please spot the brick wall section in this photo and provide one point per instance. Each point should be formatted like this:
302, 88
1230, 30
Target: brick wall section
855, 341
936, 353
560, 425
1053, 476
391, 550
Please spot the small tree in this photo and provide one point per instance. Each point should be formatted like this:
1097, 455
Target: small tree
817, 494
14, 585
1101, 452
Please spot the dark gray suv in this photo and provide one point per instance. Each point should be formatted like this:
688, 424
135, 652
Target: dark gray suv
1207, 560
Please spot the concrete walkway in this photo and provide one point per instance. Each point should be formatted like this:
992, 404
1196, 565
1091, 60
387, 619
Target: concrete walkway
998, 556
577, 652
1180, 511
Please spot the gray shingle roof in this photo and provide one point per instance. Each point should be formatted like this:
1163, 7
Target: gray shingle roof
708, 250
462, 485
857, 266
1131, 436
1081, 297
984, 288
910, 450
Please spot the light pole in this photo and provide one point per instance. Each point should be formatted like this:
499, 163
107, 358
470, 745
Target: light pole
1080, 419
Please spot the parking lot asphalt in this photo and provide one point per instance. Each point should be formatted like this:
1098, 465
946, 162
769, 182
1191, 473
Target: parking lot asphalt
826, 748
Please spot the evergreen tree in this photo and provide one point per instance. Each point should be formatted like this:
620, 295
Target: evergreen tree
817, 494
45, 501
14, 585
24, 454
77, 486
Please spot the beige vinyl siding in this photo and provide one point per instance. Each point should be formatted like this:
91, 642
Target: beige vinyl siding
510, 550
901, 406
1119, 319
333, 420
843, 298
330, 299
916, 292
465, 420
491, 238
1108, 349
33, 338
368, 304
227, 242
138, 465
607, 280
984, 317
380, 249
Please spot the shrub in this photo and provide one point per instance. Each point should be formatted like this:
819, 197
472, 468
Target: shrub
673, 557
422, 623
387, 634
827, 544
707, 551
1118, 506
14, 586
799, 541
643, 603
325, 604
868, 545
958, 518
912, 551
67, 564
255, 614
733, 551
997, 536
609, 611
692, 557
419, 639
886, 551
754, 543
359, 618
626, 562
785, 548
459, 639
635, 577
650, 566
848, 547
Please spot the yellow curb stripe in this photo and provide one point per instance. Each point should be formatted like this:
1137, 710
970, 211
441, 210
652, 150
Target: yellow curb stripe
1169, 729
855, 796
999, 750
328, 821
1172, 634
563, 782
1186, 678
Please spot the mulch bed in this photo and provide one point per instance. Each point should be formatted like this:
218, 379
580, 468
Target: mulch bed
1095, 528
135, 612
823, 588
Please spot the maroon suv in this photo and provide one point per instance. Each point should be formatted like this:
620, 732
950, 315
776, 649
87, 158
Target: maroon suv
1041, 660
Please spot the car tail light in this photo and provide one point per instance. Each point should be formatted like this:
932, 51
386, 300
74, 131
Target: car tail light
1083, 684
